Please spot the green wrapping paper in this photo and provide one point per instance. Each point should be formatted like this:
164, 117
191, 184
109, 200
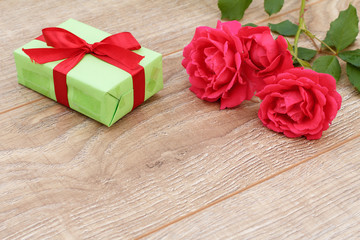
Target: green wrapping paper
96, 88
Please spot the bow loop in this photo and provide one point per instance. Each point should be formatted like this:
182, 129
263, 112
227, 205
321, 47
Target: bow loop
124, 39
61, 38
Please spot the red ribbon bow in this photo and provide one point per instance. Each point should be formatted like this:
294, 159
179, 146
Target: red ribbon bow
114, 49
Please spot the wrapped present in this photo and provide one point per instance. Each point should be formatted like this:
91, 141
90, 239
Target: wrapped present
100, 75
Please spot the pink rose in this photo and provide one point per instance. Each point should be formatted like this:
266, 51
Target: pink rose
299, 102
263, 55
213, 61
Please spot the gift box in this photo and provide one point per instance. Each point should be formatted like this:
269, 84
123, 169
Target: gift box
99, 86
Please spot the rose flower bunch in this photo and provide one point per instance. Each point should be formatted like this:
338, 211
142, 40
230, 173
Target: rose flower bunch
231, 63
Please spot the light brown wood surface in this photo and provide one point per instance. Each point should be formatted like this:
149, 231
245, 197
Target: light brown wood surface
176, 167
316, 200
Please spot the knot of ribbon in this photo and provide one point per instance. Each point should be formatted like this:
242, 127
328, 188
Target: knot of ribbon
115, 49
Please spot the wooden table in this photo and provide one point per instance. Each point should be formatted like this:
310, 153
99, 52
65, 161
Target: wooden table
177, 167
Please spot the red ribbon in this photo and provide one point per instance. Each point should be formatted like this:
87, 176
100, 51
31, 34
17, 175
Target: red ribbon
114, 49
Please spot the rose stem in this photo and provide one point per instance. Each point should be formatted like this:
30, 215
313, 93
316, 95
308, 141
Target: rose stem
312, 36
301, 26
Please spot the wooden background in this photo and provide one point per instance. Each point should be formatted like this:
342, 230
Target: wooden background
176, 167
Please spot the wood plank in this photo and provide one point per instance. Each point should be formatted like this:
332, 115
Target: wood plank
318, 199
102, 183
172, 26
64, 175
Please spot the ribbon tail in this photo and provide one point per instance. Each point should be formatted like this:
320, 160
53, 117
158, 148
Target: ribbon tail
45, 55
40, 38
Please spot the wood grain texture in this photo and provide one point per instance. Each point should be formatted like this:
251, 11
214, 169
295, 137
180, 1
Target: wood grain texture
65, 176
316, 200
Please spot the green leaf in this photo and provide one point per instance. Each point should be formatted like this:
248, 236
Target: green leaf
273, 6
328, 64
233, 9
285, 28
290, 47
353, 73
302, 63
250, 25
306, 53
343, 30
352, 57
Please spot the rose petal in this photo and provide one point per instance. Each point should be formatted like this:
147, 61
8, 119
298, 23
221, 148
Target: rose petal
290, 134
236, 95
280, 106
292, 98
328, 81
271, 66
198, 82
198, 91
330, 108
308, 103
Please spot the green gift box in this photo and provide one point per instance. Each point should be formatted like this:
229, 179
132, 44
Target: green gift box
95, 88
